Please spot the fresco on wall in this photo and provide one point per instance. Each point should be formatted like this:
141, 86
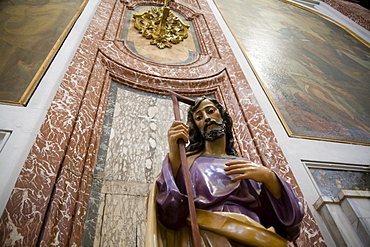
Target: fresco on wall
315, 73
31, 32
330, 182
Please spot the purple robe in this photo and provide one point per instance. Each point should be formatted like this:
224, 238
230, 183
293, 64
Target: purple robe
214, 191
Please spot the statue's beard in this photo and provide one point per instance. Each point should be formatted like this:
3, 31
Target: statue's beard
215, 133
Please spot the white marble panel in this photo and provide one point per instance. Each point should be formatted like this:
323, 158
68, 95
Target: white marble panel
133, 146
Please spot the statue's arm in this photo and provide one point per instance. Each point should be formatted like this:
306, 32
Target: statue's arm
171, 201
281, 206
285, 213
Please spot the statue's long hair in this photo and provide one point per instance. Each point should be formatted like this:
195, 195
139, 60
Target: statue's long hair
196, 139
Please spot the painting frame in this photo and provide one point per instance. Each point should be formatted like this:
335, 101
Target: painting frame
34, 82
266, 90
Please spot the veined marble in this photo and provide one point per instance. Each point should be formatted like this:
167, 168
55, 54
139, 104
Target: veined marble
133, 145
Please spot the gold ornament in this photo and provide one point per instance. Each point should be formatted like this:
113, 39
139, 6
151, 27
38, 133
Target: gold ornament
161, 25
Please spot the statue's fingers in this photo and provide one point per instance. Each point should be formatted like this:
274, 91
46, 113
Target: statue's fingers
229, 166
240, 177
233, 162
235, 166
175, 135
241, 170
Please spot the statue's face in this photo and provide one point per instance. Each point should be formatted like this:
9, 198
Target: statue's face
209, 121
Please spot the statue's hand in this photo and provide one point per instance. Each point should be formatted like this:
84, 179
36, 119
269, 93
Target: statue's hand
247, 170
178, 130
251, 170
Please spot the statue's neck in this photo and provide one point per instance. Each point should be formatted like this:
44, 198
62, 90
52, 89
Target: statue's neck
216, 148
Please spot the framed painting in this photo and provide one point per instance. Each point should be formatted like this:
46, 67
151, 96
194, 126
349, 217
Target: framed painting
31, 33
315, 73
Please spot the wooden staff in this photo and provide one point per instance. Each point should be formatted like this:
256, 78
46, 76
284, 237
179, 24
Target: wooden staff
185, 169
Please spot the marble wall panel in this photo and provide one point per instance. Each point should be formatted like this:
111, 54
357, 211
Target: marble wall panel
138, 135
124, 221
24, 217
133, 146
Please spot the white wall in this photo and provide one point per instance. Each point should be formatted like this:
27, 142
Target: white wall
25, 122
295, 149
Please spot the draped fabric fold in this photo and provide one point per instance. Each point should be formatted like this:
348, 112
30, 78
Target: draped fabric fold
216, 228
231, 213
